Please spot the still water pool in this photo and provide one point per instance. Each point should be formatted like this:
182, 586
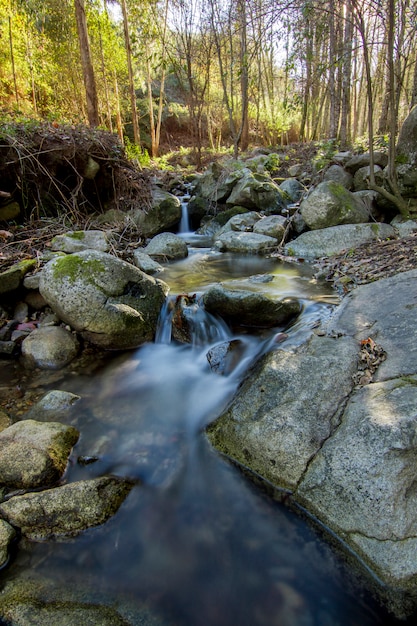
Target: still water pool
196, 543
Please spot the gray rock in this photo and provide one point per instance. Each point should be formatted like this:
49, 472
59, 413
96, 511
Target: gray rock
145, 263
66, 510
288, 407
167, 247
404, 227
32, 612
243, 222
34, 454
338, 174
292, 189
256, 191
386, 310
249, 308
331, 204
55, 405
164, 213
406, 156
360, 180
13, 277
7, 534
363, 160
75, 241
362, 481
50, 347
110, 302
245, 243
329, 241
217, 182
272, 226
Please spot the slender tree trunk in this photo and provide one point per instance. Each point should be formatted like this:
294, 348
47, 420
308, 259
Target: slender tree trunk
118, 112
87, 66
333, 121
128, 46
345, 132
16, 94
106, 87
244, 77
414, 88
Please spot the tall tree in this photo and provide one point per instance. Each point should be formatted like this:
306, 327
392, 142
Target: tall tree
88, 71
132, 92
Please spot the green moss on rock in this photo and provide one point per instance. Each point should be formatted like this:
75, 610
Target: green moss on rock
72, 267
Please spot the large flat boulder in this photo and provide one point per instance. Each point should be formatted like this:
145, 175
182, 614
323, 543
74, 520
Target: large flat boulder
314, 244
288, 407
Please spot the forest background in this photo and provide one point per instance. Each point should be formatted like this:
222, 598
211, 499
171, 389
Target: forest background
212, 75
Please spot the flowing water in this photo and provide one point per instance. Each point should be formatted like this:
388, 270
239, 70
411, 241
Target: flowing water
196, 543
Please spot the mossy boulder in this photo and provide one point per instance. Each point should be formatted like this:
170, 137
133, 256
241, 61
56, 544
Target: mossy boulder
35, 454
110, 302
331, 204
66, 510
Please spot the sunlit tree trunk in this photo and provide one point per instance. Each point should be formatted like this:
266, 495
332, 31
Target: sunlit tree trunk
87, 66
132, 93
345, 119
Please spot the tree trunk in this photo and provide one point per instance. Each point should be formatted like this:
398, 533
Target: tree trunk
244, 77
128, 46
87, 66
12, 60
345, 132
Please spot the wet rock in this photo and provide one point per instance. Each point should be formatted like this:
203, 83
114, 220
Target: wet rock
145, 263
284, 412
51, 347
224, 357
167, 247
110, 302
249, 308
75, 241
245, 243
7, 534
331, 204
34, 454
66, 510
329, 241
32, 612
55, 405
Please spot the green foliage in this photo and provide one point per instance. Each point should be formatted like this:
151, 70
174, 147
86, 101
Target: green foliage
137, 153
325, 153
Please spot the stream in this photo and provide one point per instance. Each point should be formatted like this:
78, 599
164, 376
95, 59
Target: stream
196, 543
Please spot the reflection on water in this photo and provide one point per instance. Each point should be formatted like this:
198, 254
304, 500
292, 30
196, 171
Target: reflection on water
195, 540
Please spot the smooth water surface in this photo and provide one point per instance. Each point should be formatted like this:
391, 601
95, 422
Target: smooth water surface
196, 542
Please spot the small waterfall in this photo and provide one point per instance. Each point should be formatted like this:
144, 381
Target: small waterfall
184, 226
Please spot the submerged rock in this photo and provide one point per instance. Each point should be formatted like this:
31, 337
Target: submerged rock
66, 510
35, 454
